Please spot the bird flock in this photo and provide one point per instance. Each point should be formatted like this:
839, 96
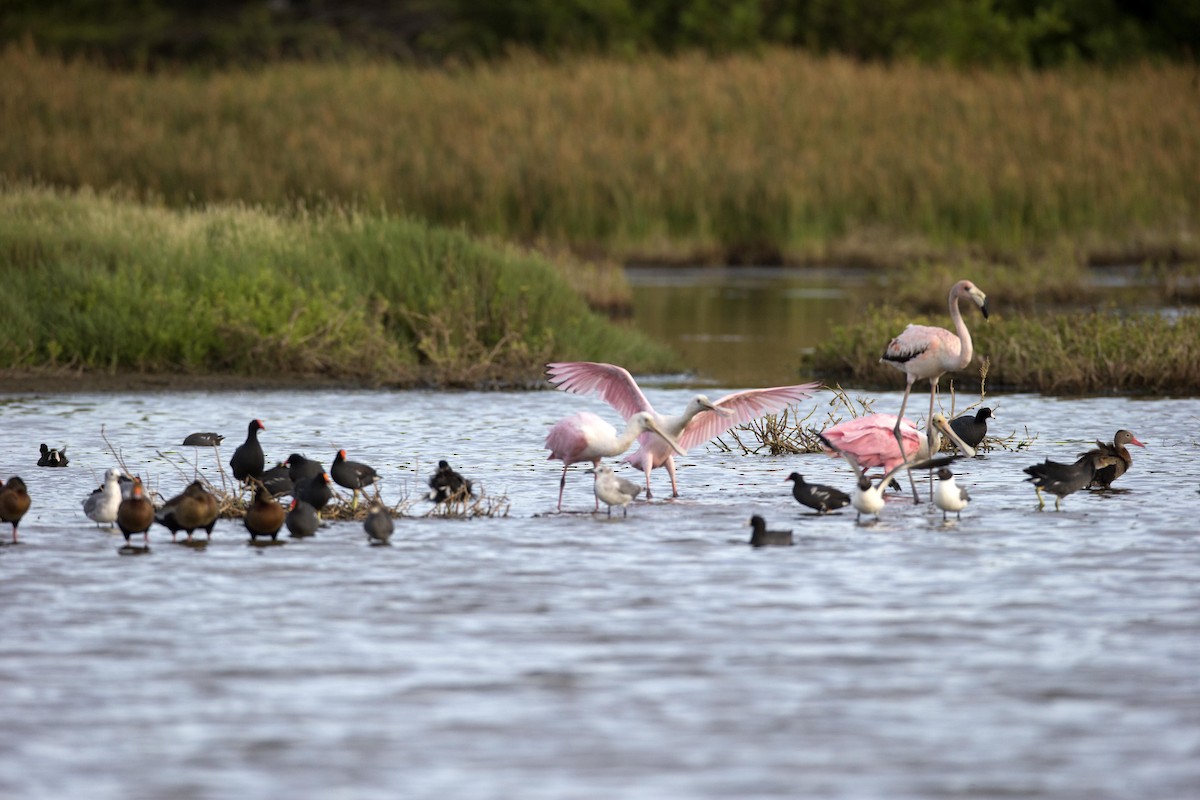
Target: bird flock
886, 441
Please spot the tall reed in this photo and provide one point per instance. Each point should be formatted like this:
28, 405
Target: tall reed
781, 155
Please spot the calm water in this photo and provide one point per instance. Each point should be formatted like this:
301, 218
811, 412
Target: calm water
1012, 654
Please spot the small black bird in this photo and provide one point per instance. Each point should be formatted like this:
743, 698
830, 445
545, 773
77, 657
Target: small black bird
301, 519
53, 456
315, 491
278, 480
352, 475
301, 468
822, 499
248, 460
204, 440
378, 524
971, 428
446, 483
1064, 479
761, 537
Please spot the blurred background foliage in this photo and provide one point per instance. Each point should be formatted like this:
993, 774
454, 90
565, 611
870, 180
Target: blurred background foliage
223, 33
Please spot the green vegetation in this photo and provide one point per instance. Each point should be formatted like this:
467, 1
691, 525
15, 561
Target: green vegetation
222, 32
765, 158
97, 283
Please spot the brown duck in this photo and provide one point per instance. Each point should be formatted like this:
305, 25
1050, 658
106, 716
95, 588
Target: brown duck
1119, 458
14, 502
135, 514
265, 515
194, 508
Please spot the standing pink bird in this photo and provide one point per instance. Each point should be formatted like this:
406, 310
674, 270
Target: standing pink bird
871, 440
585, 437
702, 420
923, 352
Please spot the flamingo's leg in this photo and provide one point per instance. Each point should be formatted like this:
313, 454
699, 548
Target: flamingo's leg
900, 442
562, 482
933, 387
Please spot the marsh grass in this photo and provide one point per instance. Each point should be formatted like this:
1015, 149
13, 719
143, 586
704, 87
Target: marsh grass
97, 283
775, 156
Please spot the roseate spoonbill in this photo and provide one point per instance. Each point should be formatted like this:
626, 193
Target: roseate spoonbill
761, 537
1064, 479
971, 428
1123, 460
949, 495
204, 440
14, 502
868, 498
301, 519
702, 420
378, 524
101, 505
614, 490
871, 440
248, 459
135, 514
924, 352
822, 499
194, 508
265, 515
585, 437
352, 475
446, 483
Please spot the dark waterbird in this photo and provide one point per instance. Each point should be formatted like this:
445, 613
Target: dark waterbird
301, 468
14, 502
446, 483
352, 475
761, 537
378, 524
278, 480
971, 428
194, 508
821, 499
265, 515
1064, 479
136, 513
1120, 458
248, 459
204, 440
315, 491
53, 456
301, 519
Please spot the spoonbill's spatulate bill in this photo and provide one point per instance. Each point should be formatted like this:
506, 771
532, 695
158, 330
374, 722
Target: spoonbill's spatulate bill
924, 352
702, 420
585, 437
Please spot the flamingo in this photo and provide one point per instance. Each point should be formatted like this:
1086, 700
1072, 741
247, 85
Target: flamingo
585, 437
871, 441
923, 352
867, 498
702, 419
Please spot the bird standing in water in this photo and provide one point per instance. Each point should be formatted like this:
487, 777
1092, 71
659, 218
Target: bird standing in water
867, 498
352, 475
378, 524
949, 496
248, 459
136, 513
1064, 479
821, 499
1119, 456
14, 502
614, 490
971, 428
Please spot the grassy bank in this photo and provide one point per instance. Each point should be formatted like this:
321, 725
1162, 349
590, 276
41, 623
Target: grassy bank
776, 157
96, 283
1079, 352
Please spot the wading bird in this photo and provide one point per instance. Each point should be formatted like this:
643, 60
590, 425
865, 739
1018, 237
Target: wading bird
614, 490
248, 459
924, 352
1122, 460
971, 428
867, 498
352, 475
761, 537
14, 502
1061, 480
949, 496
585, 437
101, 505
821, 499
702, 420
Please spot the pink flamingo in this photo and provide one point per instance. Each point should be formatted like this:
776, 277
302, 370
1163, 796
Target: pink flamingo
702, 420
923, 352
871, 440
585, 437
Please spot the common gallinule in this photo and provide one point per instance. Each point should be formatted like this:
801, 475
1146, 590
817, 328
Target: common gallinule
248, 459
761, 537
818, 497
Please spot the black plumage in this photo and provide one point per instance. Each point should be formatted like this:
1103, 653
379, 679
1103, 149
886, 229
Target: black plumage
446, 483
761, 537
971, 428
301, 519
315, 491
248, 459
278, 480
352, 475
822, 499
1064, 479
204, 440
378, 524
301, 468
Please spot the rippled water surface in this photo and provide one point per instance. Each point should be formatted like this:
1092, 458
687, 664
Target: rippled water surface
1015, 653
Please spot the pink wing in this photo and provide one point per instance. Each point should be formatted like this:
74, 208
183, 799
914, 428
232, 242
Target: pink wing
747, 405
870, 439
614, 384
916, 340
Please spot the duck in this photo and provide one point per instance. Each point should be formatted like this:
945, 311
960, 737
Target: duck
301, 519
194, 508
378, 524
53, 456
204, 439
971, 428
761, 537
265, 516
101, 505
446, 483
1121, 459
14, 502
867, 498
248, 460
1064, 479
352, 475
949, 496
136, 513
821, 499
613, 490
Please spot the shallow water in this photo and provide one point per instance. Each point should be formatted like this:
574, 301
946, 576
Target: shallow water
1012, 653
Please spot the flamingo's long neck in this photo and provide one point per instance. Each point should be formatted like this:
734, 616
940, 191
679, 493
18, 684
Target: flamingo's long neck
966, 348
